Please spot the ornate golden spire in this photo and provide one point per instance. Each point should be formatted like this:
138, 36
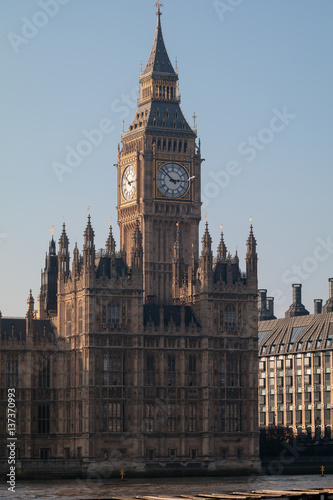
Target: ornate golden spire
159, 5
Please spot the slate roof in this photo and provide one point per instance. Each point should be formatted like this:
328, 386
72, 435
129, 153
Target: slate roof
220, 273
103, 267
159, 61
298, 334
16, 328
152, 313
161, 117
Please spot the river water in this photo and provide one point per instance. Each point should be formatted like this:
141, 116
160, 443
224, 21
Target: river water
85, 489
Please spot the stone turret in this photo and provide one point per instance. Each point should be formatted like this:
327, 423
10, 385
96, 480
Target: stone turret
63, 255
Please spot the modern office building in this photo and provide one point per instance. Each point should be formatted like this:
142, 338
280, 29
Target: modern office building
296, 366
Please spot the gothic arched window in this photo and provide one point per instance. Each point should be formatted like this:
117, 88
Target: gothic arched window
230, 316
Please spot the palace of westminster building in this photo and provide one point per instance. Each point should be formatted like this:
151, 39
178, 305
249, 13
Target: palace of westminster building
143, 359
146, 359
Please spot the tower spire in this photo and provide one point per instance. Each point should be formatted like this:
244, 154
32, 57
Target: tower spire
222, 249
159, 5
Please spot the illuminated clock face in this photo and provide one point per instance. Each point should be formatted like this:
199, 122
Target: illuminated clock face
129, 182
172, 180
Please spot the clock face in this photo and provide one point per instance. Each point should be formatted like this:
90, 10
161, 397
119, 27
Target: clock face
129, 182
172, 180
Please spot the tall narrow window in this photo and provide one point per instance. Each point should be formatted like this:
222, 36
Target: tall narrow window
80, 317
192, 417
80, 372
115, 312
150, 370
12, 371
69, 320
222, 371
105, 369
171, 417
171, 370
43, 419
44, 374
115, 417
68, 419
80, 418
69, 376
223, 417
233, 375
192, 371
230, 316
149, 421
115, 368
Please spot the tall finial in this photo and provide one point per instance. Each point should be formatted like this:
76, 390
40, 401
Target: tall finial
159, 5
194, 118
52, 230
123, 122
176, 64
88, 210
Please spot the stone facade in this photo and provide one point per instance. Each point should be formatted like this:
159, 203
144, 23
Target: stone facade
143, 359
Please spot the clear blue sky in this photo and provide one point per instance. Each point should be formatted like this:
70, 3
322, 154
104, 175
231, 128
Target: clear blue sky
241, 66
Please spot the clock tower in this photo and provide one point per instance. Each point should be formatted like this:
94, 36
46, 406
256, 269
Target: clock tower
159, 176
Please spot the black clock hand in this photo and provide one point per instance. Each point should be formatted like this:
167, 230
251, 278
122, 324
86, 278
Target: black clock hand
129, 182
171, 179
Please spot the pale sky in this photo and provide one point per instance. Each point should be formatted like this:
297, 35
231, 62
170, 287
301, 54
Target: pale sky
257, 73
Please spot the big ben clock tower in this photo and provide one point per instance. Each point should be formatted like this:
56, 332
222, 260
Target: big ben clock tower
159, 175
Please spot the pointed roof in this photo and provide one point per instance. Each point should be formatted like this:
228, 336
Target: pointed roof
207, 240
89, 232
31, 303
110, 243
52, 247
63, 241
159, 61
76, 251
222, 249
251, 242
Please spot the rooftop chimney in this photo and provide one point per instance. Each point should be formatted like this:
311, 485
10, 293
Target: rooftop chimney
329, 304
297, 294
262, 299
270, 307
266, 306
318, 306
297, 308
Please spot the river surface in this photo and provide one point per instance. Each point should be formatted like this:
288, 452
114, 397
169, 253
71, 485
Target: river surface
87, 489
